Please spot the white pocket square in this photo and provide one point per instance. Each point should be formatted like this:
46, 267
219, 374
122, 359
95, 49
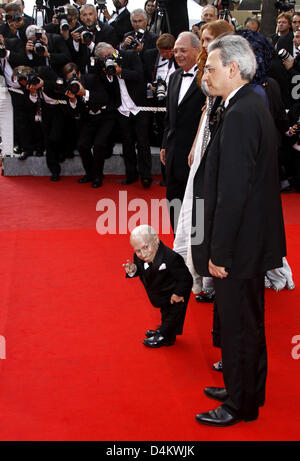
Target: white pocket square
162, 267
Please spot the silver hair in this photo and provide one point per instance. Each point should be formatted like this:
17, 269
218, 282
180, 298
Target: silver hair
210, 6
100, 47
30, 31
237, 49
86, 6
144, 230
138, 11
195, 40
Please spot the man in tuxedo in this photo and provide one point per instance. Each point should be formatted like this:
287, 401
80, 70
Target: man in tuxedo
185, 101
119, 19
243, 226
129, 80
139, 38
99, 32
166, 279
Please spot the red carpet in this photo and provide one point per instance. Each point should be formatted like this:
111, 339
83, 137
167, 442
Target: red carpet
75, 366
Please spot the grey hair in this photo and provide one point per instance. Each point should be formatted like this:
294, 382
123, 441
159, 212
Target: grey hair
138, 11
236, 48
86, 6
210, 6
144, 230
100, 47
195, 40
30, 31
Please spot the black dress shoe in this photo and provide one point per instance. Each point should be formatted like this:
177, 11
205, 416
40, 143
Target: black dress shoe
84, 179
206, 297
127, 181
146, 183
218, 417
25, 155
158, 341
97, 183
54, 177
150, 333
216, 393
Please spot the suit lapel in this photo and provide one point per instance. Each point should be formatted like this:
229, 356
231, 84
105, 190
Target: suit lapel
193, 87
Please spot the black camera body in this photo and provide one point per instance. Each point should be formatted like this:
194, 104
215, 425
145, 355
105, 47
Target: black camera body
31, 78
160, 89
100, 4
71, 84
86, 35
17, 17
39, 47
108, 64
2, 51
282, 5
137, 39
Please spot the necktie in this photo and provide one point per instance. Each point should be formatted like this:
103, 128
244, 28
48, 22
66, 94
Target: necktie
215, 119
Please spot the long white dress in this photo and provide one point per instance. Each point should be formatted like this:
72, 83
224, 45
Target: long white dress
182, 242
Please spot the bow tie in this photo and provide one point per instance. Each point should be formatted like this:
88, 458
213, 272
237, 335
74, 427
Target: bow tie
186, 74
115, 12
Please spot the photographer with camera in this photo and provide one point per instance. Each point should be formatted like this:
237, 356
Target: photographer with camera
94, 109
128, 78
86, 37
43, 49
50, 109
139, 39
159, 65
15, 22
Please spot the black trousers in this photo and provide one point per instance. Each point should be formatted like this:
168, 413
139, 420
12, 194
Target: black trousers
135, 132
172, 319
95, 133
244, 353
175, 190
53, 131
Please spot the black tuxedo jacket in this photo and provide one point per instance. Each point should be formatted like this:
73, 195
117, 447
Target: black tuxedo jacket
238, 180
106, 33
149, 40
133, 75
122, 24
59, 54
168, 274
286, 42
181, 125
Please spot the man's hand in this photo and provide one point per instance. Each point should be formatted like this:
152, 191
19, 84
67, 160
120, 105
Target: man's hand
176, 299
163, 156
127, 42
33, 88
71, 96
106, 14
288, 64
217, 271
130, 268
76, 36
29, 47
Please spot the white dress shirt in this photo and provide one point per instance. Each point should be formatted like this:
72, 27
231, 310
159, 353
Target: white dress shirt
186, 83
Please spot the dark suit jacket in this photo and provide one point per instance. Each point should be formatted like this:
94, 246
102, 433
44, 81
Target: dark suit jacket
122, 24
238, 180
286, 42
181, 126
168, 274
149, 40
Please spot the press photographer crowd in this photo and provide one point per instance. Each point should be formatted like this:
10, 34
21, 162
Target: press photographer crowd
76, 77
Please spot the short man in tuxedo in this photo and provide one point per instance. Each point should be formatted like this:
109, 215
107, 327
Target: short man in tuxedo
243, 226
166, 279
139, 38
119, 19
134, 122
185, 101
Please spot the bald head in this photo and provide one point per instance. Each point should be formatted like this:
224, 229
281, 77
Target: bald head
144, 241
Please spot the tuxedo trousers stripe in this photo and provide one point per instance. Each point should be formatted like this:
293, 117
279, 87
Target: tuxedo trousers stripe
240, 305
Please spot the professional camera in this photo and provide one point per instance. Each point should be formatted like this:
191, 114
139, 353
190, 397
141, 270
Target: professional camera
137, 39
31, 78
86, 35
71, 84
61, 13
39, 47
108, 64
282, 5
2, 51
39, 5
100, 3
17, 17
285, 55
160, 89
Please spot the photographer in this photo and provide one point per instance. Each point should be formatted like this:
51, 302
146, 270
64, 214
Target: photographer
139, 39
50, 110
15, 23
92, 32
93, 107
159, 65
65, 22
43, 49
134, 123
